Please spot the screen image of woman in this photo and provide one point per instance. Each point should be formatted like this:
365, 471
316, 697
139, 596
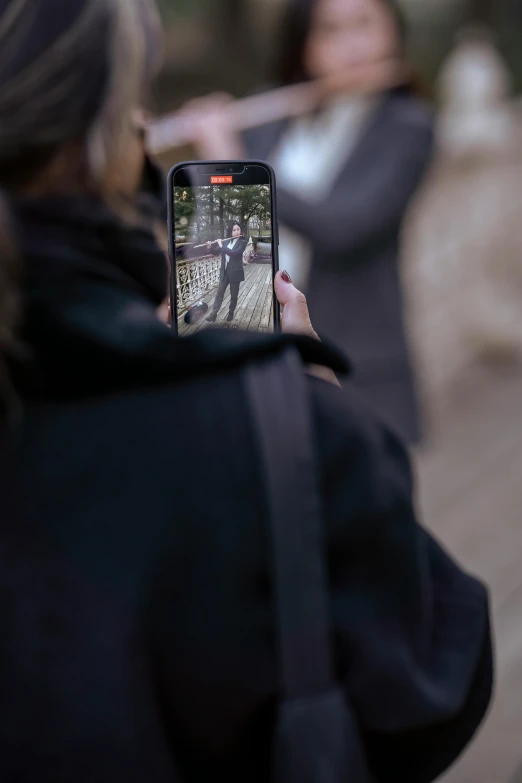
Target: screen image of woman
232, 272
225, 264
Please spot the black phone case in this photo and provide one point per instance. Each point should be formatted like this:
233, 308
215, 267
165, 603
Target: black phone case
171, 228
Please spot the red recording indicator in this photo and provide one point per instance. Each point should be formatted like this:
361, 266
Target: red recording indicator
221, 180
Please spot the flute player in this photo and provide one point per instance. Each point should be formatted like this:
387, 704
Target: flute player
232, 272
346, 176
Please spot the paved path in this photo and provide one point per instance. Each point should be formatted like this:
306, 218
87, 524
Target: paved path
470, 482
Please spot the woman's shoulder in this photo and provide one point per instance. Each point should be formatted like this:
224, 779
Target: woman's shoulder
233, 349
346, 431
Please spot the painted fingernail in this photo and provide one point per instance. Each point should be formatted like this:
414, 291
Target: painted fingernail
286, 277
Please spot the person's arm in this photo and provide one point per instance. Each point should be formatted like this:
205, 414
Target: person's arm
214, 251
375, 202
412, 629
237, 251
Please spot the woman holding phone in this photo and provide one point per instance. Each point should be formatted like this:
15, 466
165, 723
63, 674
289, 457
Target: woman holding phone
137, 600
346, 175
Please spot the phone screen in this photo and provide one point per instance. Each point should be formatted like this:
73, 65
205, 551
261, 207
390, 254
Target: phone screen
223, 247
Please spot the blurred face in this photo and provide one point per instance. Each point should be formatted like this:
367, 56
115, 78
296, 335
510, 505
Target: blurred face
236, 232
349, 33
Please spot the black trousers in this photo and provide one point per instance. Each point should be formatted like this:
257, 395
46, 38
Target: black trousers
234, 294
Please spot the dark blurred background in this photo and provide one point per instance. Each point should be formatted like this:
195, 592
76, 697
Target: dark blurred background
197, 29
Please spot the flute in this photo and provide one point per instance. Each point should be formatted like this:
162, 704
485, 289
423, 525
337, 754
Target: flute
198, 247
174, 130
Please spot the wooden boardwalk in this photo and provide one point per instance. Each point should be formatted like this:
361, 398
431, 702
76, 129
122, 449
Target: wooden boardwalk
255, 305
470, 493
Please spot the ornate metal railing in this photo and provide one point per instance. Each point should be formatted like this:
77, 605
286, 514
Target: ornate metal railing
195, 278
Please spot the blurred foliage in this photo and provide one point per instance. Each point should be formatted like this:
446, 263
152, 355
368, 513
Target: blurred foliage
172, 8
207, 215
198, 60
212, 45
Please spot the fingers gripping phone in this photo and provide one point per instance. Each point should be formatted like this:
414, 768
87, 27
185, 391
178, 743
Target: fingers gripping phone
223, 244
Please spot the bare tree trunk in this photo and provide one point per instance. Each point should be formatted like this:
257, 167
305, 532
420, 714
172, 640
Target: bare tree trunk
233, 15
236, 44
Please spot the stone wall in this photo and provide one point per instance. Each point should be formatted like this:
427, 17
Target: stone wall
463, 268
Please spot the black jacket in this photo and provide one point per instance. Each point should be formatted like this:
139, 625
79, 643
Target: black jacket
355, 292
235, 268
135, 590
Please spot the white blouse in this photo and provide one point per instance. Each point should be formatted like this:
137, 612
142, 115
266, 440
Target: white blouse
230, 246
308, 161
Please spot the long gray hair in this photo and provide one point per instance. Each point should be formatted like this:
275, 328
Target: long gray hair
70, 73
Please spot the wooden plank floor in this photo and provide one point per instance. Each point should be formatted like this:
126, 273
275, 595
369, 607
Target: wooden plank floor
255, 305
470, 493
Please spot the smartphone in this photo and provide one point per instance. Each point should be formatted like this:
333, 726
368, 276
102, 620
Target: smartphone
223, 245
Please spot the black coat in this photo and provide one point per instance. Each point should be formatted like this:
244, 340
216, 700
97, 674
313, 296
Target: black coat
135, 586
354, 292
235, 268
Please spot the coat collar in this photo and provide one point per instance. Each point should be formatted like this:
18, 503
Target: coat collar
266, 139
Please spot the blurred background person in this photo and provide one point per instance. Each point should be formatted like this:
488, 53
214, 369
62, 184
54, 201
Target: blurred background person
346, 175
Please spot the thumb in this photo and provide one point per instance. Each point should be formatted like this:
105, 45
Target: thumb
286, 291
296, 318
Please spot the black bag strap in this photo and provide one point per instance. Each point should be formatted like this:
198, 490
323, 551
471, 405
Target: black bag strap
317, 738
279, 401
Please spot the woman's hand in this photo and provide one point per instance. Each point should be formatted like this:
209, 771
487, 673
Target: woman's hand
220, 243
295, 319
164, 313
210, 127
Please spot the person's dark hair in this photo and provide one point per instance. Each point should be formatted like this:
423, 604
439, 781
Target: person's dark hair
71, 73
295, 30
